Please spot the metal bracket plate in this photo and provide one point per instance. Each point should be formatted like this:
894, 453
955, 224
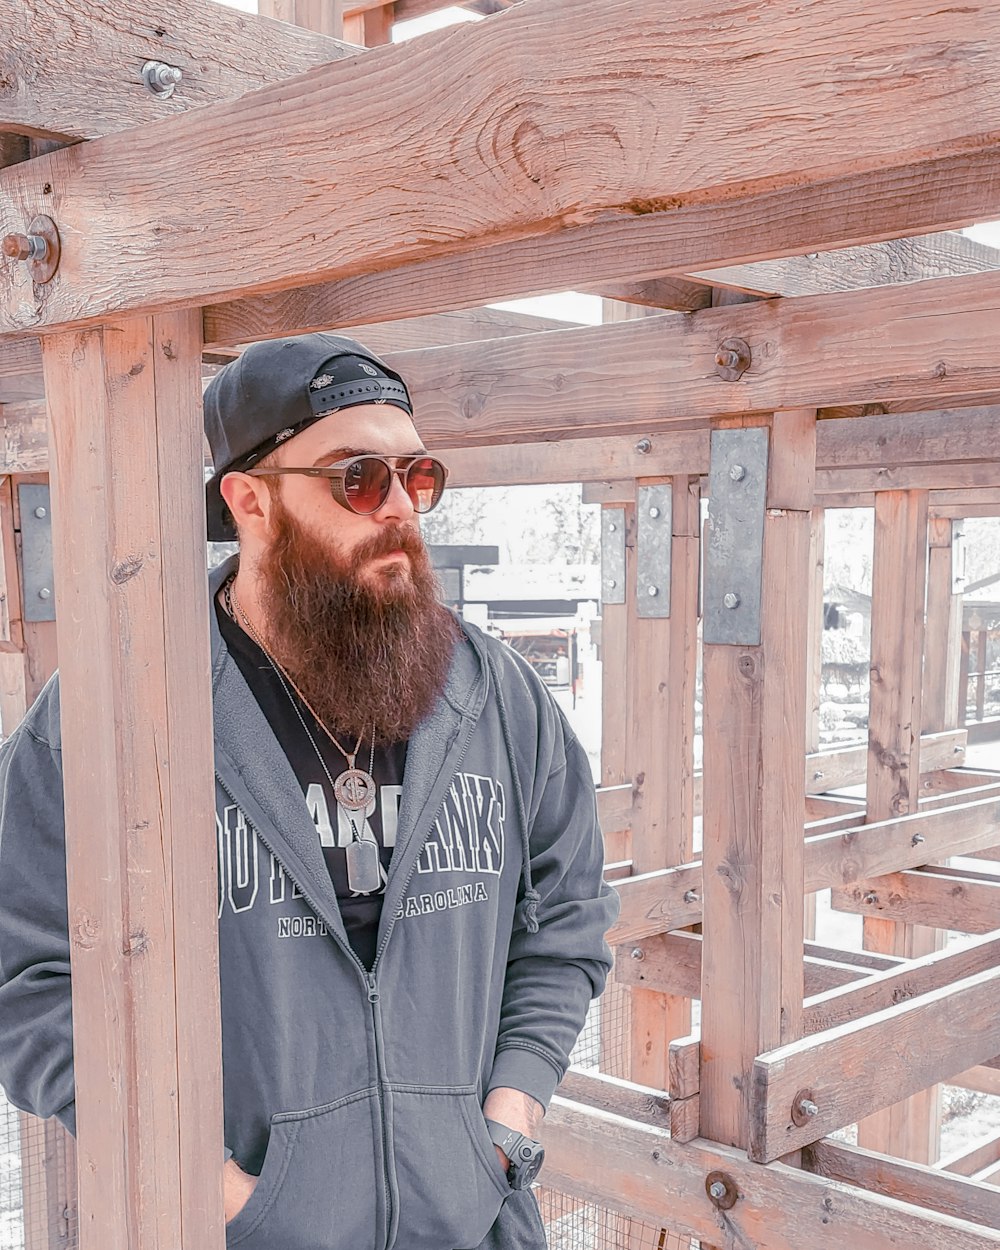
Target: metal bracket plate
613, 555
652, 550
734, 536
37, 586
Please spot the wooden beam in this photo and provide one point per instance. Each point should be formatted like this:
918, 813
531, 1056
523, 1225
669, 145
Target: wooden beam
847, 1071
912, 1183
968, 1160
617, 169
606, 1159
137, 750
74, 72
939, 255
884, 989
966, 902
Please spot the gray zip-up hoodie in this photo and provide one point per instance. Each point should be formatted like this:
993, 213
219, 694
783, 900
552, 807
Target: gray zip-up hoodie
356, 1096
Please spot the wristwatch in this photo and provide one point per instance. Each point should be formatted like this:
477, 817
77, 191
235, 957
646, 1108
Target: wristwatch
526, 1156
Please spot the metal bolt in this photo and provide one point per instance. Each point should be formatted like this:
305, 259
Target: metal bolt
161, 79
45, 593
916, 839
653, 591
731, 600
644, 446
871, 898
691, 896
41, 513
737, 473
612, 527
25, 247
612, 583
808, 1107
717, 1189
817, 776
725, 358
638, 953
654, 513
812, 255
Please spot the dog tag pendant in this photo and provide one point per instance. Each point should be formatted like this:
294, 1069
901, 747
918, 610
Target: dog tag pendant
364, 871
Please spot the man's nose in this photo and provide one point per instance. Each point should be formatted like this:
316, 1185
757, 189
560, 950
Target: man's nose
398, 505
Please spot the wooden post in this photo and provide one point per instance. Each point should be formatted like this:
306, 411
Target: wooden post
910, 1129
754, 804
943, 643
814, 678
324, 16
129, 545
660, 696
372, 28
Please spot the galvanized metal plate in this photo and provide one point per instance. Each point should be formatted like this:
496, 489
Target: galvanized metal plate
734, 536
613, 555
37, 586
652, 550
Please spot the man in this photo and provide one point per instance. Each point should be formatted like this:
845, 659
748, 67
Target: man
411, 904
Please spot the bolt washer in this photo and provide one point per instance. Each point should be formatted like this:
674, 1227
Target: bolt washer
740, 350
730, 1193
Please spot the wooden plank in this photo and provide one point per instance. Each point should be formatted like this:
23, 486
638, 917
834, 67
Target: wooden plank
754, 809
619, 168
870, 1063
641, 1103
897, 260
614, 808
883, 989
912, 1183
671, 963
982, 1079
137, 772
685, 1066
968, 1160
964, 903
649, 373
606, 1159
82, 79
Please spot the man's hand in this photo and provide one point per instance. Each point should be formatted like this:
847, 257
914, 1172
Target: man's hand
518, 1111
239, 1185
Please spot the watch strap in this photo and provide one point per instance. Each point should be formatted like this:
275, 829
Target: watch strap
508, 1139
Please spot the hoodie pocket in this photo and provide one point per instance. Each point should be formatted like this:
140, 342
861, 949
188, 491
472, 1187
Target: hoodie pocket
317, 1185
450, 1182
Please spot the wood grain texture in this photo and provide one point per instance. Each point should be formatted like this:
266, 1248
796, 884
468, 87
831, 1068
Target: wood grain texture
965, 903
754, 808
912, 1183
606, 1159
82, 77
137, 772
854, 1068
516, 163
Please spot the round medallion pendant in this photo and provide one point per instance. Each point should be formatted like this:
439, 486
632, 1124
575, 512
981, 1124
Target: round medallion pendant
354, 789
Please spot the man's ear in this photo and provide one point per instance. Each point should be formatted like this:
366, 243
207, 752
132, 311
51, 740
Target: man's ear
248, 499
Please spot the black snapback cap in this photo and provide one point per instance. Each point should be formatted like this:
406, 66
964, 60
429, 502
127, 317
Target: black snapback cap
277, 389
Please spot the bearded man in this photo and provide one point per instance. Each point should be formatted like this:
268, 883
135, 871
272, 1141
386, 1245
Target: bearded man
411, 904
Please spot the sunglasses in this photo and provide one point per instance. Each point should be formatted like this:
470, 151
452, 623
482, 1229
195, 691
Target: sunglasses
362, 483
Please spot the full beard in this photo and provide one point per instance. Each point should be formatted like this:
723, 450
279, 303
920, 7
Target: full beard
363, 651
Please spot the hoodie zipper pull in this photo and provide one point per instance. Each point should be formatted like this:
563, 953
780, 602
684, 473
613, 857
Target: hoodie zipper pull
373, 994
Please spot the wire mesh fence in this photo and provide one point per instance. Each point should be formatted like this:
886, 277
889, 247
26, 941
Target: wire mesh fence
37, 1183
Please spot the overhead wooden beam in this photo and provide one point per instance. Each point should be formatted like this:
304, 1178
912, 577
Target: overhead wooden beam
850, 1070
938, 255
966, 901
74, 71
517, 164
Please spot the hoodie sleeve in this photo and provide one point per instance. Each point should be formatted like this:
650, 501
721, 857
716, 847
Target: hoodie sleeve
553, 974
36, 1020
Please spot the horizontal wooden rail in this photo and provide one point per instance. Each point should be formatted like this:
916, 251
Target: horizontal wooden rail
969, 1160
639, 1169
940, 898
849, 1071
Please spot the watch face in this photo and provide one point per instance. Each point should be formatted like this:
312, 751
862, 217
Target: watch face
524, 1169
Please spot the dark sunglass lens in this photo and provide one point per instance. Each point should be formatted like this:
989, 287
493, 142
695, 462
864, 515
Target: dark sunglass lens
366, 484
425, 483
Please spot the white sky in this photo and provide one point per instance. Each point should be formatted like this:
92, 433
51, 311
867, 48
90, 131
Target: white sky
568, 305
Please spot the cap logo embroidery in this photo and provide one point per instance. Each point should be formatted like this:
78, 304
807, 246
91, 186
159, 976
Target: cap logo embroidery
282, 435
368, 369
317, 384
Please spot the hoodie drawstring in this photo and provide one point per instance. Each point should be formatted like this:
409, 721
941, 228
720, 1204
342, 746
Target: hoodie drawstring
531, 896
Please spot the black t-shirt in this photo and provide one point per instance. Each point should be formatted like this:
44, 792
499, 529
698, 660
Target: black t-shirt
336, 828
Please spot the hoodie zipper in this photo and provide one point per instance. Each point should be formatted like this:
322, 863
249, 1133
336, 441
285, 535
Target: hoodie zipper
372, 994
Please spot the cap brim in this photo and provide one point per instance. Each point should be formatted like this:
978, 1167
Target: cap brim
219, 522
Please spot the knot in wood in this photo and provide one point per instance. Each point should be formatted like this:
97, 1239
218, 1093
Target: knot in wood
85, 932
126, 569
747, 665
136, 943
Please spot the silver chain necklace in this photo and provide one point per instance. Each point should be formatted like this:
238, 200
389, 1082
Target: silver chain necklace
354, 789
